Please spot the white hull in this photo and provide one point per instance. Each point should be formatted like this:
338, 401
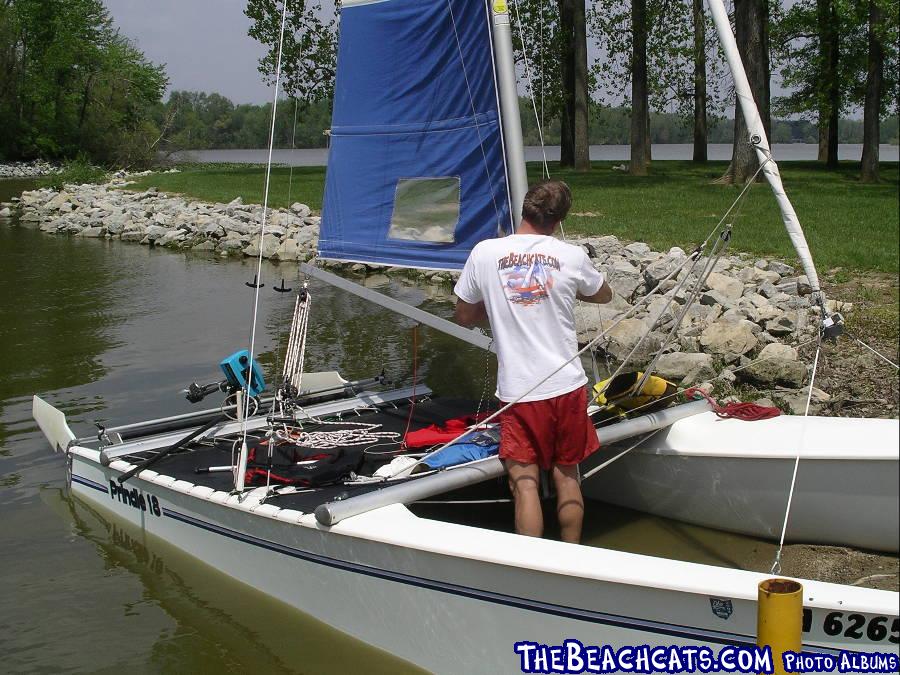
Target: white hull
736, 476
452, 598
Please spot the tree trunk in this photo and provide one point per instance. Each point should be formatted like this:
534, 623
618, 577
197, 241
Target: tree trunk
580, 81
751, 20
871, 121
823, 134
830, 95
648, 146
639, 95
700, 154
567, 118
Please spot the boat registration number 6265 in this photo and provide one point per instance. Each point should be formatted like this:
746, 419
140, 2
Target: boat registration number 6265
856, 626
135, 498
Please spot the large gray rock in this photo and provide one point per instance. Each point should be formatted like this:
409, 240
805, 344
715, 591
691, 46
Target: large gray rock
781, 326
729, 287
288, 250
662, 311
687, 369
155, 232
638, 248
754, 275
62, 201
270, 245
781, 268
302, 210
92, 231
729, 338
776, 364
663, 267
625, 335
591, 319
609, 245
623, 278
712, 298
5, 212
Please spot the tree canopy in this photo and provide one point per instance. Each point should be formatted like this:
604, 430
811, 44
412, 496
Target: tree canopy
70, 83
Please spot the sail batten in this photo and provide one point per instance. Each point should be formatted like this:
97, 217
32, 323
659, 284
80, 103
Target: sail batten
416, 173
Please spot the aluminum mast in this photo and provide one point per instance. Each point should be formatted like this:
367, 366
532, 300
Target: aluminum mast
761, 142
510, 122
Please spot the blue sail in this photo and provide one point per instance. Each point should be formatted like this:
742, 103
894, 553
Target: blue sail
416, 174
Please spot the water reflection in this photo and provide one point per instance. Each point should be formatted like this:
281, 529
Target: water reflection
214, 624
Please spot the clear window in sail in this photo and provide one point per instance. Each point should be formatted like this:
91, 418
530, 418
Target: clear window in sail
426, 209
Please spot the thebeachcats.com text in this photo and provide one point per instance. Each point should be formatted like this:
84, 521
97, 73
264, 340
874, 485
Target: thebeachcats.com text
574, 657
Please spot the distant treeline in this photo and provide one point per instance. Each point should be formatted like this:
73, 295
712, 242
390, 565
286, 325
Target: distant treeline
198, 121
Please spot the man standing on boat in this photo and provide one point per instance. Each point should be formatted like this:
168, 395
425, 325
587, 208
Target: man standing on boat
526, 285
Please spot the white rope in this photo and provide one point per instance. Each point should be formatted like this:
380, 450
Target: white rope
295, 356
262, 229
776, 564
360, 433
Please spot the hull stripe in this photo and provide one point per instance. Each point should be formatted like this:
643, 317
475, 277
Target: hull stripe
87, 482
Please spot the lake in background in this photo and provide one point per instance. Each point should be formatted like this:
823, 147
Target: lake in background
678, 151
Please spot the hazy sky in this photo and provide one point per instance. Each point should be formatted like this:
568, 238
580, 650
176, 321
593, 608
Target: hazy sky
204, 44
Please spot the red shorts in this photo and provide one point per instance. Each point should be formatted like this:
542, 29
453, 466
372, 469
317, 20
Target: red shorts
553, 431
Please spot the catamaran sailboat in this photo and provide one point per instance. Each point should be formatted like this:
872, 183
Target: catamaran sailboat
285, 494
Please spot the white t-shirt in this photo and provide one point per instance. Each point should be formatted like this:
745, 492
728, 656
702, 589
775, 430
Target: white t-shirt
528, 283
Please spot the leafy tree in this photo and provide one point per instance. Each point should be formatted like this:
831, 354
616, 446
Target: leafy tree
71, 83
683, 70
309, 55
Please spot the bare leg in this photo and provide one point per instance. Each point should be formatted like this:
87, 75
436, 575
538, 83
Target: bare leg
569, 502
524, 483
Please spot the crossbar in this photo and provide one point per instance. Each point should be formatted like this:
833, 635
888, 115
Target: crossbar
473, 337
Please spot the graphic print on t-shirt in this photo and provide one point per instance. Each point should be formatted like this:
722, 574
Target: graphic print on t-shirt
527, 277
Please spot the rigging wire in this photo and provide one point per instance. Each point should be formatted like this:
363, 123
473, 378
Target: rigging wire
462, 62
537, 119
776, 564
262, 229
872, 349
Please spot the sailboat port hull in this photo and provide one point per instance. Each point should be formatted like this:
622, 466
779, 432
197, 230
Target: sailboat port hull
450, 597
736, 476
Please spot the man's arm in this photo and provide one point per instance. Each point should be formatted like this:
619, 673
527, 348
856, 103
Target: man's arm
603, 295
469, 314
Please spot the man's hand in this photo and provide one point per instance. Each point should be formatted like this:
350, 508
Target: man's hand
468, 314
602, 296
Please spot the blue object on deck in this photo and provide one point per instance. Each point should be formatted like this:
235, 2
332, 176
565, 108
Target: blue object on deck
467, 449
237, 371
416, 174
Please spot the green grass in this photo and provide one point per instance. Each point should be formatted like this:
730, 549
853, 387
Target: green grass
848, 224
224, 182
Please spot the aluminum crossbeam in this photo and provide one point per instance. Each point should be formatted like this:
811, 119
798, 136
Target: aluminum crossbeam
473, 337
366, 399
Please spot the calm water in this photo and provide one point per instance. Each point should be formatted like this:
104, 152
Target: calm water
112, 331
717, 151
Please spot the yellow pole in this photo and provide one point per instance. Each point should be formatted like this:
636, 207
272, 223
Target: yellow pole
779, 618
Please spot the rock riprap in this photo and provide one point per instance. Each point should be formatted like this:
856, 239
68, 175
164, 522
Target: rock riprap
744, 325
27, 169
157, 219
